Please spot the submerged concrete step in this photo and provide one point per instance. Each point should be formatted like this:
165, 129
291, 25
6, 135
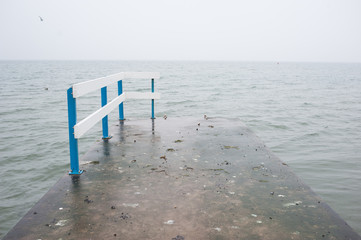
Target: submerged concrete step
182, 178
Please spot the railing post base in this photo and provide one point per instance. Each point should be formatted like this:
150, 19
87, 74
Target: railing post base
107, 138
76, 173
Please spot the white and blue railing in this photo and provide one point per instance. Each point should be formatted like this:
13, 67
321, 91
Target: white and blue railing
78, 129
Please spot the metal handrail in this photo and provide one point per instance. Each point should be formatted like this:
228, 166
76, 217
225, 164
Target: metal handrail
76, 130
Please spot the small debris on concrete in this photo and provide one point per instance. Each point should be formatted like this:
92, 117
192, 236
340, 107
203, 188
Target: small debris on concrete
163, 157
169, 222
225, 162
61, 223
87, 200
162, 171
133, 205
112, 207
178, 237
217, 229
256, 168
187, 168
296, 203
178, 141
124, 216
230, 147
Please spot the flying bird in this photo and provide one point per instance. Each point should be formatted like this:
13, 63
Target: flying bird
41, 19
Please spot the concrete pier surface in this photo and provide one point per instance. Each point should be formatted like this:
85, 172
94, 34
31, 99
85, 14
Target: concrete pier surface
181, 178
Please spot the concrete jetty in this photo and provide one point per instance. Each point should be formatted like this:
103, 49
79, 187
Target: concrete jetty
181, 178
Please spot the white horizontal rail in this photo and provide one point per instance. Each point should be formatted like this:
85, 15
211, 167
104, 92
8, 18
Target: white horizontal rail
84, 125
80, 89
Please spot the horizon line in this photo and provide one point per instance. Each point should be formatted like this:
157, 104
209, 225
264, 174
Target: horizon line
175, 60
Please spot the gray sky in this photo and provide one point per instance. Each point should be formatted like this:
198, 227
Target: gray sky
242, 30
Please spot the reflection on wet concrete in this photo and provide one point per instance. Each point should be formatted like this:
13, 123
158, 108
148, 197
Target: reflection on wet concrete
106, 148
153, 126
182, 179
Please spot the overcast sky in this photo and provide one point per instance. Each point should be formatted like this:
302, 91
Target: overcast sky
235, 30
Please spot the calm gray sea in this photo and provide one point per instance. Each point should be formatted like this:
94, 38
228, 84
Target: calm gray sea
309, 114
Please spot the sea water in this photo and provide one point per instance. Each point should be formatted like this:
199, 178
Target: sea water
308, 114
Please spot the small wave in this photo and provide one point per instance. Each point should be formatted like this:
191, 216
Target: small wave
179, 102
279, 126
312, 135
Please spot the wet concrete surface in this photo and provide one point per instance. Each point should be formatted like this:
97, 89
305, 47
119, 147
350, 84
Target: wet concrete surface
183, 178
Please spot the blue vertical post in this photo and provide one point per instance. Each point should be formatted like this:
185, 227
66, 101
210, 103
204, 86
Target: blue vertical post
152, 99
73, 142
105, 119
121, 108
